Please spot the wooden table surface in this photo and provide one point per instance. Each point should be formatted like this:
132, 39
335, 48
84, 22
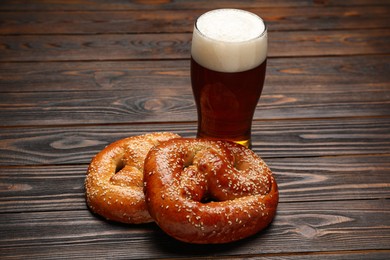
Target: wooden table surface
78, 75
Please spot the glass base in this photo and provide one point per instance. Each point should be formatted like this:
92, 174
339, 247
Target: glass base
246, 143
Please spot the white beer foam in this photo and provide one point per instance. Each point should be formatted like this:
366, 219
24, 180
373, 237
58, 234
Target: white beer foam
229, 40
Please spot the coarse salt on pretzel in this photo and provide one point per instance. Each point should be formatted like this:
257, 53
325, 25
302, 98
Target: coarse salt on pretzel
114, 182
203, 191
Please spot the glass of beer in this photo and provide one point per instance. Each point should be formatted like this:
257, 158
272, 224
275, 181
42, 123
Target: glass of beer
228, 63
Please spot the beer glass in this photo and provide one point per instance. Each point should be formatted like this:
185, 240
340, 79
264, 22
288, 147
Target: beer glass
228, 63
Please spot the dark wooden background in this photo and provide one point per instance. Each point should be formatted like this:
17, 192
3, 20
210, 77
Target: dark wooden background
77, 75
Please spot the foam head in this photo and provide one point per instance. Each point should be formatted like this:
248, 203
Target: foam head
229, 40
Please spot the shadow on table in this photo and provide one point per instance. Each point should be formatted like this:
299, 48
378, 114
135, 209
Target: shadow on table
160, 243
171, 246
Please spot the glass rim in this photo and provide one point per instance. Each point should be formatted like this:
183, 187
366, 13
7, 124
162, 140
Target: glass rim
262, 34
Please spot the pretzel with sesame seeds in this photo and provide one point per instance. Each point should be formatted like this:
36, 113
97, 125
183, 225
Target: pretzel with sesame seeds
114, 179
203, 191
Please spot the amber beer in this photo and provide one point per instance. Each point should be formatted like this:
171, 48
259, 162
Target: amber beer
228, 64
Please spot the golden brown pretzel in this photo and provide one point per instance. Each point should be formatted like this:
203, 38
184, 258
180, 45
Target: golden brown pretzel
203, 191
114, 182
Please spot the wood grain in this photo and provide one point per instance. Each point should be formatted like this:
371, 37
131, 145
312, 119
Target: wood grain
54, 5
166, 21
77, 75
307, 226
120, 92
324, 75
177, 46
271, 139
34, 189
166, 105
42, 188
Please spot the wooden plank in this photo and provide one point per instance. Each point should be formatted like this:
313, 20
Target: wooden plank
103, 107
168, 21
272, 139
323, 75
11, 5
328, 137
175, 103
35, 189
47, 253
42, 188
298, 227
94, 76
318, 179
177, 46
85, 93
320, 43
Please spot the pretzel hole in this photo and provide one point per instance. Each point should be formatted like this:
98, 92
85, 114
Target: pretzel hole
206, 200
119, 166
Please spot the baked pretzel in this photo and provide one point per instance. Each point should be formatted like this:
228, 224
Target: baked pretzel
114, 182
203, 191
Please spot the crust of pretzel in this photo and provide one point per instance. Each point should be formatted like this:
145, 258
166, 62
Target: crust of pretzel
114, 181
203, 191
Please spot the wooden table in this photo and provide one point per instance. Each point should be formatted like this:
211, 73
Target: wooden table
78, 75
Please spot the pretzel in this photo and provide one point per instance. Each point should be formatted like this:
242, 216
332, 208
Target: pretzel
202, 191
114, 182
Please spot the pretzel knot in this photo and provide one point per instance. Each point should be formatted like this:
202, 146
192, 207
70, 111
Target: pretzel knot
203, 191
114, 182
